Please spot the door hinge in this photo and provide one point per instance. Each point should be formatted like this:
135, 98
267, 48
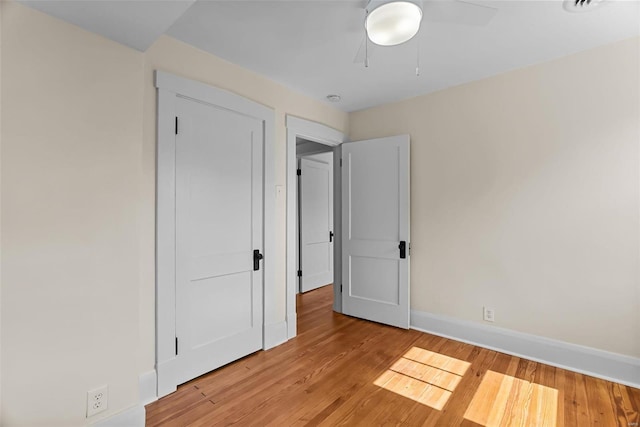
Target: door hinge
299, 273
176, 125
340, 161
299, 172
176, 346
340, 288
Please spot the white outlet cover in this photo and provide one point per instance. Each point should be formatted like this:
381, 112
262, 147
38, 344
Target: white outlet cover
489, 314
97, 400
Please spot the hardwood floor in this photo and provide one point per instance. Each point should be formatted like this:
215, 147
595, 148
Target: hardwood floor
345, 371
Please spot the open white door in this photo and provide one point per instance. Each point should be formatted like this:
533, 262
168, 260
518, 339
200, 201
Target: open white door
375, 230
316, 221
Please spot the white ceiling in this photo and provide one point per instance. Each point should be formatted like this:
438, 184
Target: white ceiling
310, 46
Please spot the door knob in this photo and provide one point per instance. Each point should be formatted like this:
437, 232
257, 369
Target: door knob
257, 256
403, 249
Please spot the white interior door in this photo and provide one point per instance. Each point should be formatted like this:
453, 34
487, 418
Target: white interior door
375, 230
316, 221
219, 217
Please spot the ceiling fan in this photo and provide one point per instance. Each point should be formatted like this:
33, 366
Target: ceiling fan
393, 22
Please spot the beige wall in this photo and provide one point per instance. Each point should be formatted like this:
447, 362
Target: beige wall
72, 114
525, 197
78, 199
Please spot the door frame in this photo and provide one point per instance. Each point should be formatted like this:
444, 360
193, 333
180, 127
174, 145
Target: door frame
315, 132
169, 87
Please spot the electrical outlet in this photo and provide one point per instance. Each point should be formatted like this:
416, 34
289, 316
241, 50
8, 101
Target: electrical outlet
489, 314
97, 400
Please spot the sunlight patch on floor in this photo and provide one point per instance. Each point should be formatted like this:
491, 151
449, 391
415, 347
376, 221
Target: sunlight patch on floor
502, 400
424, 376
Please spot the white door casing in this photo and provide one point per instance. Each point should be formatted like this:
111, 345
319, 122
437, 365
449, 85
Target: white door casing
375, 222
219, 194
172, 91
315, 132
316, 221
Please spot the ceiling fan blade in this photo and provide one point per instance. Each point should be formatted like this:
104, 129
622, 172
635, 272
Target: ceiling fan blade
458, 12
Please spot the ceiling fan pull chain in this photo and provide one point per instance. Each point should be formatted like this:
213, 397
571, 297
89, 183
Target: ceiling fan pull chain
366, 43
417, 56
366, 54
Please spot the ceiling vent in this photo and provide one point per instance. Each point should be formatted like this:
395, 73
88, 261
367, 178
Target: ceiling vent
580, 5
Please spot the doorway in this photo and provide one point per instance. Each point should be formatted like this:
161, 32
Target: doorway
371, 222
312, 136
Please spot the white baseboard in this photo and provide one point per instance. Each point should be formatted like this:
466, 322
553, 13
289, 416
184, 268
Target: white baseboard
132, 417
148, 384
585, 360
275, 334
292, 325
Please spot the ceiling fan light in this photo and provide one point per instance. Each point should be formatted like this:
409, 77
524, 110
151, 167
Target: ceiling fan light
393, 23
